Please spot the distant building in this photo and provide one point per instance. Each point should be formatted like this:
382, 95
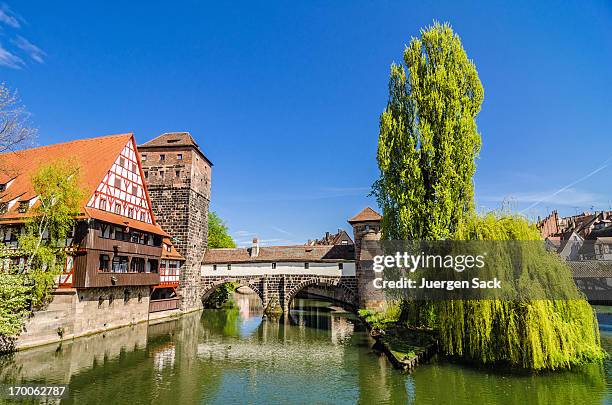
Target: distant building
339, 238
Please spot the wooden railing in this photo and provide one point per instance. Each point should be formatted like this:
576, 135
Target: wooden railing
163, 305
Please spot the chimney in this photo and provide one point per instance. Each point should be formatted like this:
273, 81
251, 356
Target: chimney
255, 248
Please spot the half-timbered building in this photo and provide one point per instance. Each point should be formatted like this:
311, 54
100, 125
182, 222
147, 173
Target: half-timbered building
117, 251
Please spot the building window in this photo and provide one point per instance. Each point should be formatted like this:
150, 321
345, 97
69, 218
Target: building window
3, 207
162, 157
122, 162
178, 173
161, 174
126, 296
273, 266
134, 168
306, 265
146, 172
117, 182
152, 266
137, 265
135, 190
142, 216
118, 208
179, 156
340, 266
229, 266
105, 230
143, 157
214, 267
120, 264
103, 204
2, 187
104, 263
23, 206
130, 212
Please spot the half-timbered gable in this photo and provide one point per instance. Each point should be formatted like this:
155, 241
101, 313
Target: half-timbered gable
122, 191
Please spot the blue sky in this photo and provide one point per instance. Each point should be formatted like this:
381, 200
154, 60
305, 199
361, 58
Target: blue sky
284, 97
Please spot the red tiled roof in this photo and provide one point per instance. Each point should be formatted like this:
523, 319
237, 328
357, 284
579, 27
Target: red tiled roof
94, 157
366, 215
173, 253
125, 221
281, 254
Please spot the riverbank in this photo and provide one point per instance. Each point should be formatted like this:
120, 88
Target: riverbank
405, 348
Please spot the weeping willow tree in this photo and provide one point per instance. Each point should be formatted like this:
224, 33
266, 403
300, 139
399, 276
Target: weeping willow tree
427, 147
553, 327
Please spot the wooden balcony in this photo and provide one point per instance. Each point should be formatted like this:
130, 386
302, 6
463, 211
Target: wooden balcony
112, 245
164, 305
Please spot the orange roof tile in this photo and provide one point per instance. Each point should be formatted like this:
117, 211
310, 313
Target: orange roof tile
94, 156
125, 221
173, 253
366, 215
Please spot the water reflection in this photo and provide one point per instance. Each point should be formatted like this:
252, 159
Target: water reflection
313, 355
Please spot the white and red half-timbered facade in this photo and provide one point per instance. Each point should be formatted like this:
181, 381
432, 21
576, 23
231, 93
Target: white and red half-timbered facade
116, 241
122, 190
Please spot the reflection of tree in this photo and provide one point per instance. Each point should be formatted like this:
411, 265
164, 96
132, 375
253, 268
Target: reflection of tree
465, 384
221, 321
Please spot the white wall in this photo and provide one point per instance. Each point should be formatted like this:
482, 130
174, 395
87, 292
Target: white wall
260, 269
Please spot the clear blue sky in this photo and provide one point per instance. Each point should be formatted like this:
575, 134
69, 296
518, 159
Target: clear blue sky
284, 97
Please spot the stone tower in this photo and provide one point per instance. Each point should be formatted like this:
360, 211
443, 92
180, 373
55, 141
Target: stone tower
178, 177
366, 232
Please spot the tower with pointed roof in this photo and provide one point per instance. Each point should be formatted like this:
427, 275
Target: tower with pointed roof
366, 229
178, 176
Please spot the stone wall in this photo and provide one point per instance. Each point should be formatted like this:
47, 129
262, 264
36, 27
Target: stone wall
78, 312
282, 288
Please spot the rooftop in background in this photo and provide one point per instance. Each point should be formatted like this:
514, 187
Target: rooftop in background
340, 238
173, 140
366, 215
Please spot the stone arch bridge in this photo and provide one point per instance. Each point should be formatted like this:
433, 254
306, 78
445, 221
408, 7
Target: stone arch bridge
282, 288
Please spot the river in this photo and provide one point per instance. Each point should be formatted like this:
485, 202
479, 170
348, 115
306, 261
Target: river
315, 355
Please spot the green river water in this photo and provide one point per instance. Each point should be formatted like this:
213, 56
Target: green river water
314, 355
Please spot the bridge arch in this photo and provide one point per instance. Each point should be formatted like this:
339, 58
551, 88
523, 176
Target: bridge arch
208, 289
346, 297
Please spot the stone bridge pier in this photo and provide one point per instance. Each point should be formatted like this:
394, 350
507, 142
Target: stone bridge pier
280, 289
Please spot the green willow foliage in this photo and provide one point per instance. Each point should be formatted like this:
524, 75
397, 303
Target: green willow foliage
43, 244
427, 147
428, 139
533, 334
